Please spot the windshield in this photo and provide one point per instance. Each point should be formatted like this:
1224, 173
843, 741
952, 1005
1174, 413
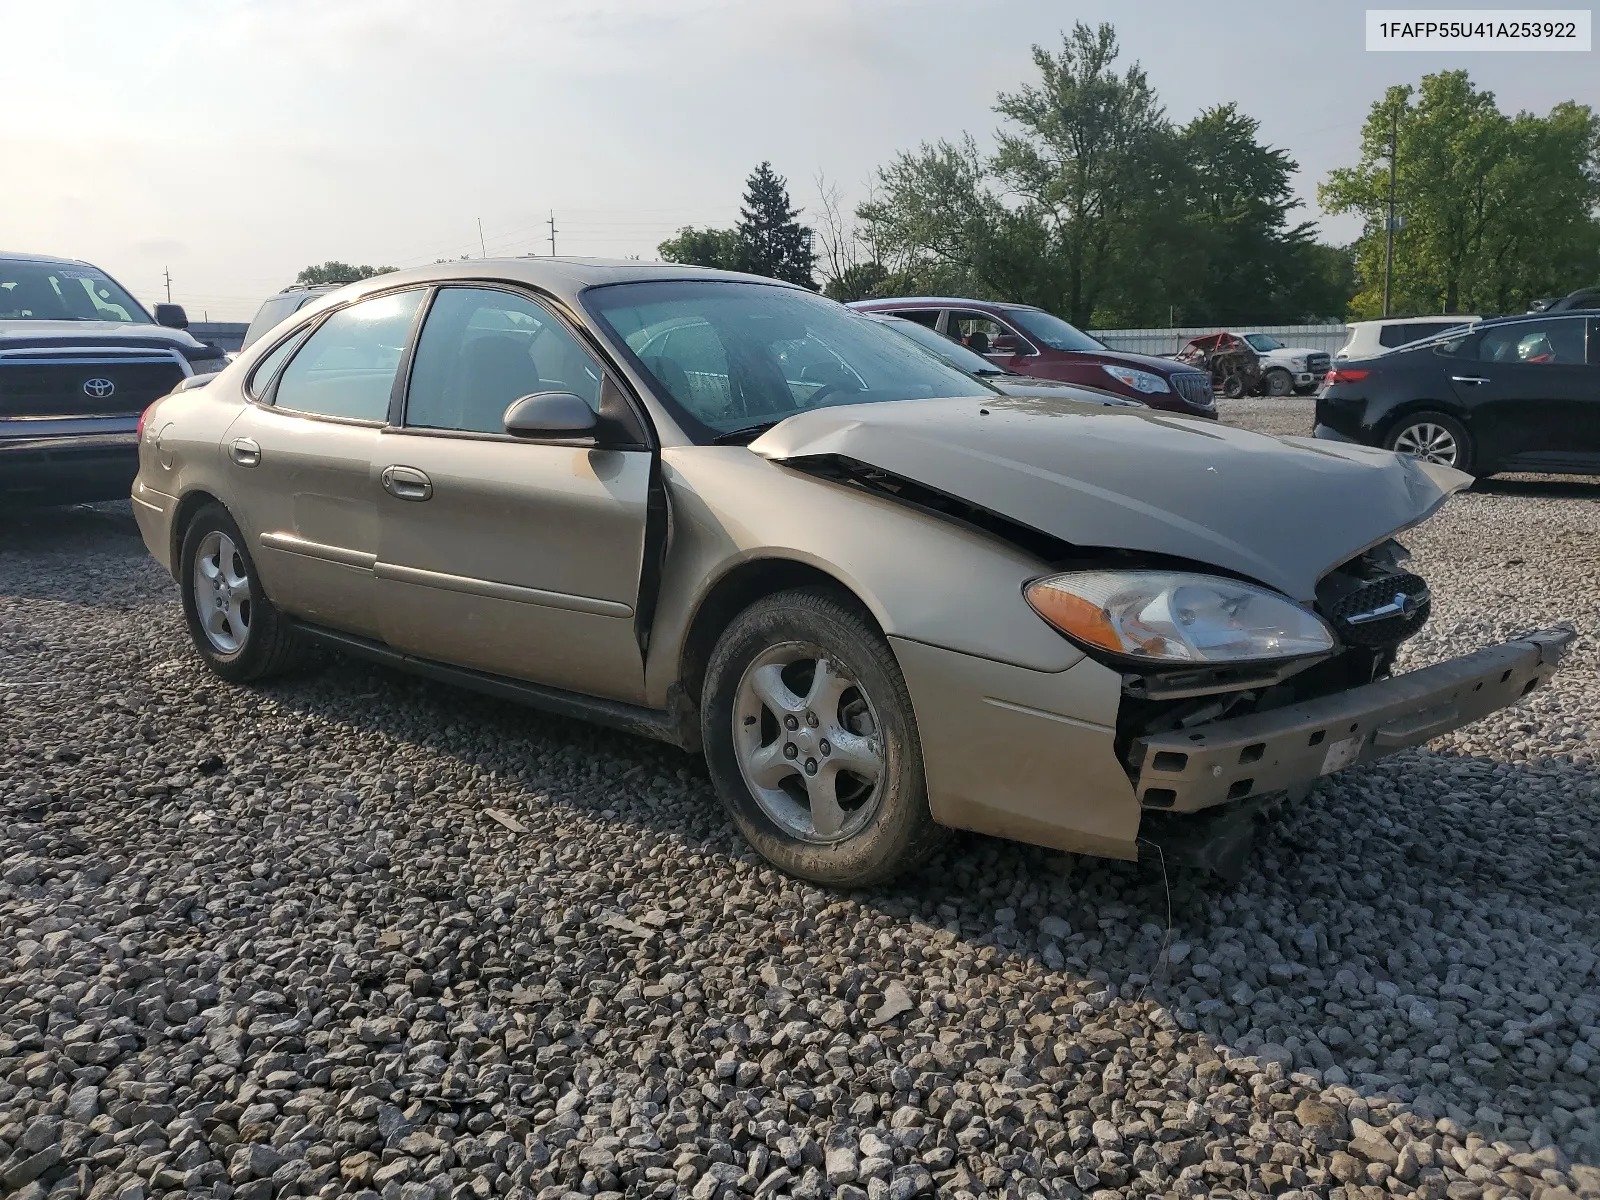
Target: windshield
1053, 331
732, 357
44, 291
1262, 342
950, 350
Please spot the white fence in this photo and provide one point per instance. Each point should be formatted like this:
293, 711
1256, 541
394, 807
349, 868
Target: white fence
1170, 341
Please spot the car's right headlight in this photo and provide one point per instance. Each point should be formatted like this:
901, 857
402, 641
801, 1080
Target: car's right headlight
1177, 617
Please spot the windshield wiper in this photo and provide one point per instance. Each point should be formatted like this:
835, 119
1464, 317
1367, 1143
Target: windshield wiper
742, 437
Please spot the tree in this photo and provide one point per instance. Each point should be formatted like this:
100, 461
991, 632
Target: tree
772, 242
1497, 210
702, 248
1094, 206
767, 241
1083, 156
334, 271
1249, 265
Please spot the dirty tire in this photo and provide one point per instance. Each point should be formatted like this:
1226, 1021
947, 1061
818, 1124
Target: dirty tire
271, 646
900, 832
1233, 386
1278, 383
1418, 431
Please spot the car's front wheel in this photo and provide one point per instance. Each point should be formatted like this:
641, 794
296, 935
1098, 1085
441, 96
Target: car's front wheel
1278, 383
812, 744
237, 629
1433, 437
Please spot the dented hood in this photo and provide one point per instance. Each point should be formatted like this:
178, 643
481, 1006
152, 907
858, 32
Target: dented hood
1282, 511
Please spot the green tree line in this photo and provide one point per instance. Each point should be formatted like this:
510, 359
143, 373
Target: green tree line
1095, 205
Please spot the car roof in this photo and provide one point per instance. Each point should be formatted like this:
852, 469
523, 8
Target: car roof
16, 256
1457, 318
942, 302
563, 278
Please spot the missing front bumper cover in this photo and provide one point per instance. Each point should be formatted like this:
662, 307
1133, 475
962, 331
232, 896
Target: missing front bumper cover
1191, 769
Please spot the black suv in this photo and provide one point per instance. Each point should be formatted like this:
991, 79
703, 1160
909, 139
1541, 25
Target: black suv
80, 361
1514, 394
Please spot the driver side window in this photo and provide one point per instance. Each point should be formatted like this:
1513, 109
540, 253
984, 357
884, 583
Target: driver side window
480, 350
1556, 342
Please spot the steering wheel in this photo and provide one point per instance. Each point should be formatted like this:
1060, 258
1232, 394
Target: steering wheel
838, 385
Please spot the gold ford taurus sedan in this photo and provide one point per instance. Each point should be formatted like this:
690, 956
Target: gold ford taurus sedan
882, 597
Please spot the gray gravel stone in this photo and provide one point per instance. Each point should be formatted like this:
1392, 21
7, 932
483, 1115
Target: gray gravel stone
318, 956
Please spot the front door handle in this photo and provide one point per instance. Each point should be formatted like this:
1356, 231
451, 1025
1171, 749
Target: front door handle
407, 483
245, 451
1472, 379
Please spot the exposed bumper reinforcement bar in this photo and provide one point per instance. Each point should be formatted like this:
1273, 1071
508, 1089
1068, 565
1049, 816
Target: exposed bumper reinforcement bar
1192, 769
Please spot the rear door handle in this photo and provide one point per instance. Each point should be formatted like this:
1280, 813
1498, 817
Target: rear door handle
1472, 379
407, 483
245, 451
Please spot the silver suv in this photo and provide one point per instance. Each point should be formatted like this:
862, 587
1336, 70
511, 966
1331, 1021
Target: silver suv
286, 303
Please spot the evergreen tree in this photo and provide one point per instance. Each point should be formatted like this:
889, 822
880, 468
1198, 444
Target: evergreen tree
771, 241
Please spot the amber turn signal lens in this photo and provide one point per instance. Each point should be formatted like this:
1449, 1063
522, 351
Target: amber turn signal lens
1073, 615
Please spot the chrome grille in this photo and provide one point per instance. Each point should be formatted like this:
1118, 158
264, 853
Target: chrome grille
1318, 364
1383, 612
1195, 388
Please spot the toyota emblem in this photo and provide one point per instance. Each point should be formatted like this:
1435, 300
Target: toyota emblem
98, 388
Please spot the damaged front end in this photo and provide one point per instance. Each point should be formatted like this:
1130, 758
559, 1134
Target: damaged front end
1208, 767
1137, 513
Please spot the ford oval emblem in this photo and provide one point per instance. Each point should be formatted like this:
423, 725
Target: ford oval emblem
98, 388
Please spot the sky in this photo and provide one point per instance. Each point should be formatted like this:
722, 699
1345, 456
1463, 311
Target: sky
232, 142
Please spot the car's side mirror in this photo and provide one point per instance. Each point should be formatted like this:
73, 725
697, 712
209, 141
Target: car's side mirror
172, 316
1006, 343
550, 415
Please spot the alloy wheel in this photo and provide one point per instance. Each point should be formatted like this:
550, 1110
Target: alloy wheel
222, 592
807, 741
1429, 442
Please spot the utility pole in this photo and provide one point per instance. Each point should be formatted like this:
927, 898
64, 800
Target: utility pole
481, 248
552, 233
168, 273
1388, 245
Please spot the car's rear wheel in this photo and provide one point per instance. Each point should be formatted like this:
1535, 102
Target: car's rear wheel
812, 744
1278, 383
237, 629
1433, 437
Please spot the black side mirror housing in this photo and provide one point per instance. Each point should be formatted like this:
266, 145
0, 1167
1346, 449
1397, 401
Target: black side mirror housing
1006, 343
552, 415
172, 316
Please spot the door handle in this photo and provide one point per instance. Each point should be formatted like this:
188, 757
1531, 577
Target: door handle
245, 451
1472, 379
407, 483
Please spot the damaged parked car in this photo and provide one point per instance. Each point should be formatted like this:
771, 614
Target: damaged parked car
883, 599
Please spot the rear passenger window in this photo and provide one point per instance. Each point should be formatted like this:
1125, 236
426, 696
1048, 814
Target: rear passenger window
347, 367
922, 316
261, 377
1390, 336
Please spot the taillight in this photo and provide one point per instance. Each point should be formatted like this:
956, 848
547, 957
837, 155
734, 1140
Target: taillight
1347, 374
138, 433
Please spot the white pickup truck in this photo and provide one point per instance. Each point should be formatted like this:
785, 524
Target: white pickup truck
1286, 369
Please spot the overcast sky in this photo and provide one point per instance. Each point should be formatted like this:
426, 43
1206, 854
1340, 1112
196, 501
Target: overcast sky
235, 141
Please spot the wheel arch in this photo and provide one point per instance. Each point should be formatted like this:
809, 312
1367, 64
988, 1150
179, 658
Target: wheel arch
183, 515
1394, 416
736, 590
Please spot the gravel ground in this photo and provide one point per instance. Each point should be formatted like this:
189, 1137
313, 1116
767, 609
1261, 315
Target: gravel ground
359, 934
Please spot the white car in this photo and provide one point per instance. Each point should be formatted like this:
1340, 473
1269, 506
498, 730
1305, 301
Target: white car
1286, 369
1368, 339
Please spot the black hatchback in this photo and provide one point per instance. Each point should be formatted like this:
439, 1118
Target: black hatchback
1516, 394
